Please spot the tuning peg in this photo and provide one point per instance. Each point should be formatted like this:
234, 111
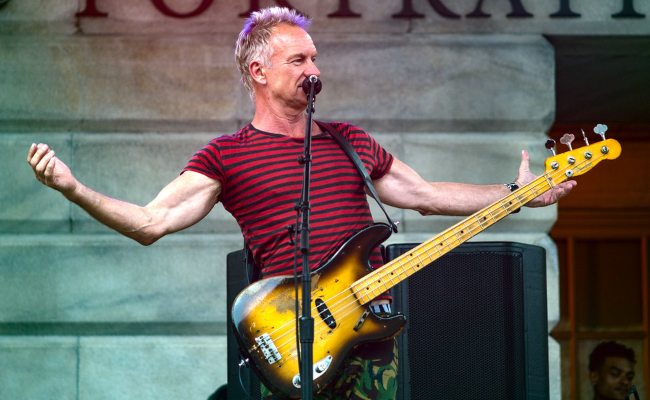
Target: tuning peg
567, 139
600, 129
550, 146
584, 137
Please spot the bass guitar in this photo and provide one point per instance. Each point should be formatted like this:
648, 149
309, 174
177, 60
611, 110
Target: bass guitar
264, 316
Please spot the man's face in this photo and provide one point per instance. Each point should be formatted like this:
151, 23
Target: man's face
614, 379
292, 60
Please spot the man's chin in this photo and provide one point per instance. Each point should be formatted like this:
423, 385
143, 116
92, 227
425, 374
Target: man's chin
620, 394
299, 103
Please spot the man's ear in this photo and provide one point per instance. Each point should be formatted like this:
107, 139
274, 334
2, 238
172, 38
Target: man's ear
593, 377
257, 71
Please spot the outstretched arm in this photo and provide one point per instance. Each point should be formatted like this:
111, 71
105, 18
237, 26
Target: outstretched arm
182, 203
403, 187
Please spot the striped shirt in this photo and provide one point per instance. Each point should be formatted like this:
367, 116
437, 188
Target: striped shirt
261, 181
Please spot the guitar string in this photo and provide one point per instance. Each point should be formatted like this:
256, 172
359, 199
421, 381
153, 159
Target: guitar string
450, 237
335, 310
348, 308
548, 178
449, 242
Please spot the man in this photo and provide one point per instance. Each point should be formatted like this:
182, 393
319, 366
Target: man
611, 370
255, 175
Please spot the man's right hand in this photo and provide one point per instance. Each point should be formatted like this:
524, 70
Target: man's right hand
50, 170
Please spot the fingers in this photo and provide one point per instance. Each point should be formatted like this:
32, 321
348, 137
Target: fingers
554, 195
49, 170
31, 151
524, 176
40, 157
564, 188
36, 153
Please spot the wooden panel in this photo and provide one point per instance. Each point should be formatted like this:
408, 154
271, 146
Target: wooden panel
623, 183
608, 285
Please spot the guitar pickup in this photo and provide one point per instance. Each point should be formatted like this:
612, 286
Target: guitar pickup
325, 313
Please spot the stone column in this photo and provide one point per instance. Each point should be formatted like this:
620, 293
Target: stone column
126, 96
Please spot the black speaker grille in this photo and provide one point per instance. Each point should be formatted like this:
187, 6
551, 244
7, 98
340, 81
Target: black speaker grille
465, 335
477, 325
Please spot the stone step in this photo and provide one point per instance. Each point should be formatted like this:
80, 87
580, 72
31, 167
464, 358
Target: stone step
111, 367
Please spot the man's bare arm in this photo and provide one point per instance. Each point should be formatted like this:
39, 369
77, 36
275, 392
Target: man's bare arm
180, 204
403, 187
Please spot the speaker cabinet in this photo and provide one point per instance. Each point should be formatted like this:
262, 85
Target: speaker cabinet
242, 381
477, 324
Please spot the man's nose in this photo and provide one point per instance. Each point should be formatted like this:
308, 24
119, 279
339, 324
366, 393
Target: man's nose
312, 69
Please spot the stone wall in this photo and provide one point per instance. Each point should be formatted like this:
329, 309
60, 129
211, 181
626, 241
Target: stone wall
126, 98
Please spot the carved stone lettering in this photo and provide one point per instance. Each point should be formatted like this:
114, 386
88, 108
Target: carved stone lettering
91, 10
443, 10
518, 11
344, 11
164, 8
408, 11
628, 11
565, 11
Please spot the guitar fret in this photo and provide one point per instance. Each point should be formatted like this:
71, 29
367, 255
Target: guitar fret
416, 259
420, 264
519, 201
478, 219
508, 207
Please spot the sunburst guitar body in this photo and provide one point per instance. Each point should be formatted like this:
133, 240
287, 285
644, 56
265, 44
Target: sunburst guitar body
264, 318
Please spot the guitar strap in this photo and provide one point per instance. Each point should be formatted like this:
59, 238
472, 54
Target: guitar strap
354, 157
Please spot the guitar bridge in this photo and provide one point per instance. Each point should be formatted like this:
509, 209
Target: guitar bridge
269, 350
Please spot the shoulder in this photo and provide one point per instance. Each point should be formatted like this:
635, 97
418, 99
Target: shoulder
348, 130
231, 141
241, 136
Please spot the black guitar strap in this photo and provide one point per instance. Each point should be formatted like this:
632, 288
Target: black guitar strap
354, 157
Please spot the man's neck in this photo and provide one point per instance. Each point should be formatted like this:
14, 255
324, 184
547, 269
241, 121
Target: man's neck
285, 119
286, 122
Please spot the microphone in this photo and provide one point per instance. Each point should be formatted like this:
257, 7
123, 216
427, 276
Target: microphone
312, 80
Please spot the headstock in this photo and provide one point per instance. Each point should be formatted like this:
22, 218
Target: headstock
561, 167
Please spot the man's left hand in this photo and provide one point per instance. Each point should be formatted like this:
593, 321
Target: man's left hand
552, 196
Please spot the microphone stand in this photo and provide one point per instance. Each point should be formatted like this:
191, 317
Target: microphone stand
311, 86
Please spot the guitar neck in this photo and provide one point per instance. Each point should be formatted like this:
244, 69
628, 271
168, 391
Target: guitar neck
399, 269
558, 169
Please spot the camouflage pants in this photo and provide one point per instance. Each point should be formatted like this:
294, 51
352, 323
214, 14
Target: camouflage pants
369, 373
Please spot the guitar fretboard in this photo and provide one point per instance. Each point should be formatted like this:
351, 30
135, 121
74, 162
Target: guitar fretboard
399, 269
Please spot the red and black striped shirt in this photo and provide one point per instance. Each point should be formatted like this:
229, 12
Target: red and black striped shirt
262, 180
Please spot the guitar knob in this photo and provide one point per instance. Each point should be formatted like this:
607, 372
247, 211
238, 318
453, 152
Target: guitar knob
550, 146
600, 129
567, 139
